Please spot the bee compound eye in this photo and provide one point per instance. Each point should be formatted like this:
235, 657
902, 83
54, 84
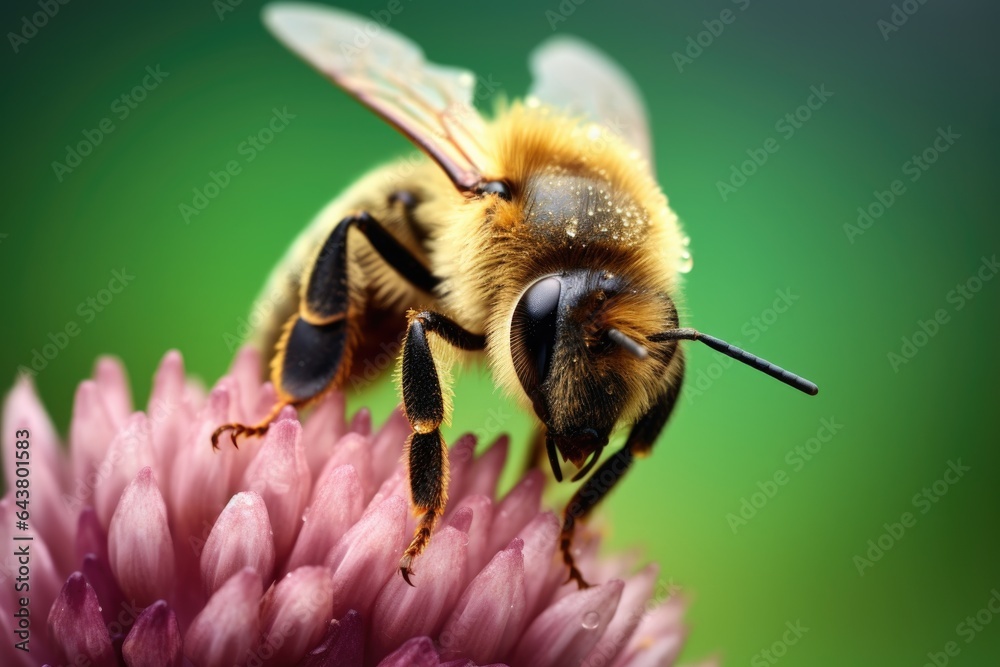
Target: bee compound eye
498, 188
533, 332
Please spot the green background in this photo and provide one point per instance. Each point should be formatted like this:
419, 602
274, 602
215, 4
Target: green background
782, 230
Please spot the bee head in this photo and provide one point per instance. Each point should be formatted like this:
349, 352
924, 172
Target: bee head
573, 344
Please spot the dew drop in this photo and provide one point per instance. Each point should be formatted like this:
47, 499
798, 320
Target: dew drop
686, 262
591, 620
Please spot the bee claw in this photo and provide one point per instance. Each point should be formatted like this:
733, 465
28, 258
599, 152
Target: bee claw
577, 576
218, 433
404, 569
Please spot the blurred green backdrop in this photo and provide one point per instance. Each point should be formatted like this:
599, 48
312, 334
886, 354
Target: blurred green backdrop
776, 242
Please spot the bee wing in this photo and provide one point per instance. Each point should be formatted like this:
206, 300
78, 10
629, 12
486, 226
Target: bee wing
573, 75
430, 104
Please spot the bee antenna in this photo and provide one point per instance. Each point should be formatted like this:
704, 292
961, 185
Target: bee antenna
778, 373
629, 345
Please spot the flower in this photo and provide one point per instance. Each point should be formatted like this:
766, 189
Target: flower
146, 547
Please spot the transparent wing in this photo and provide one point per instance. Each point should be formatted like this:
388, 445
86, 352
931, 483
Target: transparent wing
430, 104
573, 75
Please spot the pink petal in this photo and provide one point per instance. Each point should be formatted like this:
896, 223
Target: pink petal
336, 506
660, 651
659, 636
324, 427
295, 613
23, 410
490, 612
482, 478
516, 509
460, 458
51, 517
90, 432
155, 639
280, 474
361, 422
170, 414
227, 629
387, 445
402, 611
366, 556
461, 519
355, 450
131, 450
198, 495
10, 656
417, 652
394, 485
44, 578
76, 626
102, 580
564, 633
90, 536
246, 373
112, 381
342, 645
241, 538
631, 609
140, 549
540, 577
250, 448
479, 553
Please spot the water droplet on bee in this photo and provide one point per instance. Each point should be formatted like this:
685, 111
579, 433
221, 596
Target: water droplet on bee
686, 262
591, 620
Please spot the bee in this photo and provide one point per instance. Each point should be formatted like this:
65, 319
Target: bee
539, 238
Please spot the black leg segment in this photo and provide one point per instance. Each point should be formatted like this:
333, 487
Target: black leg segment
314, 352
423, 403
327, 291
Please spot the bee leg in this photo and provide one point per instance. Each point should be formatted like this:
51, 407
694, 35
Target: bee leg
423, 403
313, 354
236, 430
639, 443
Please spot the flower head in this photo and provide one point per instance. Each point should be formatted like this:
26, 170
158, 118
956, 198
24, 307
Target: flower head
149, 548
